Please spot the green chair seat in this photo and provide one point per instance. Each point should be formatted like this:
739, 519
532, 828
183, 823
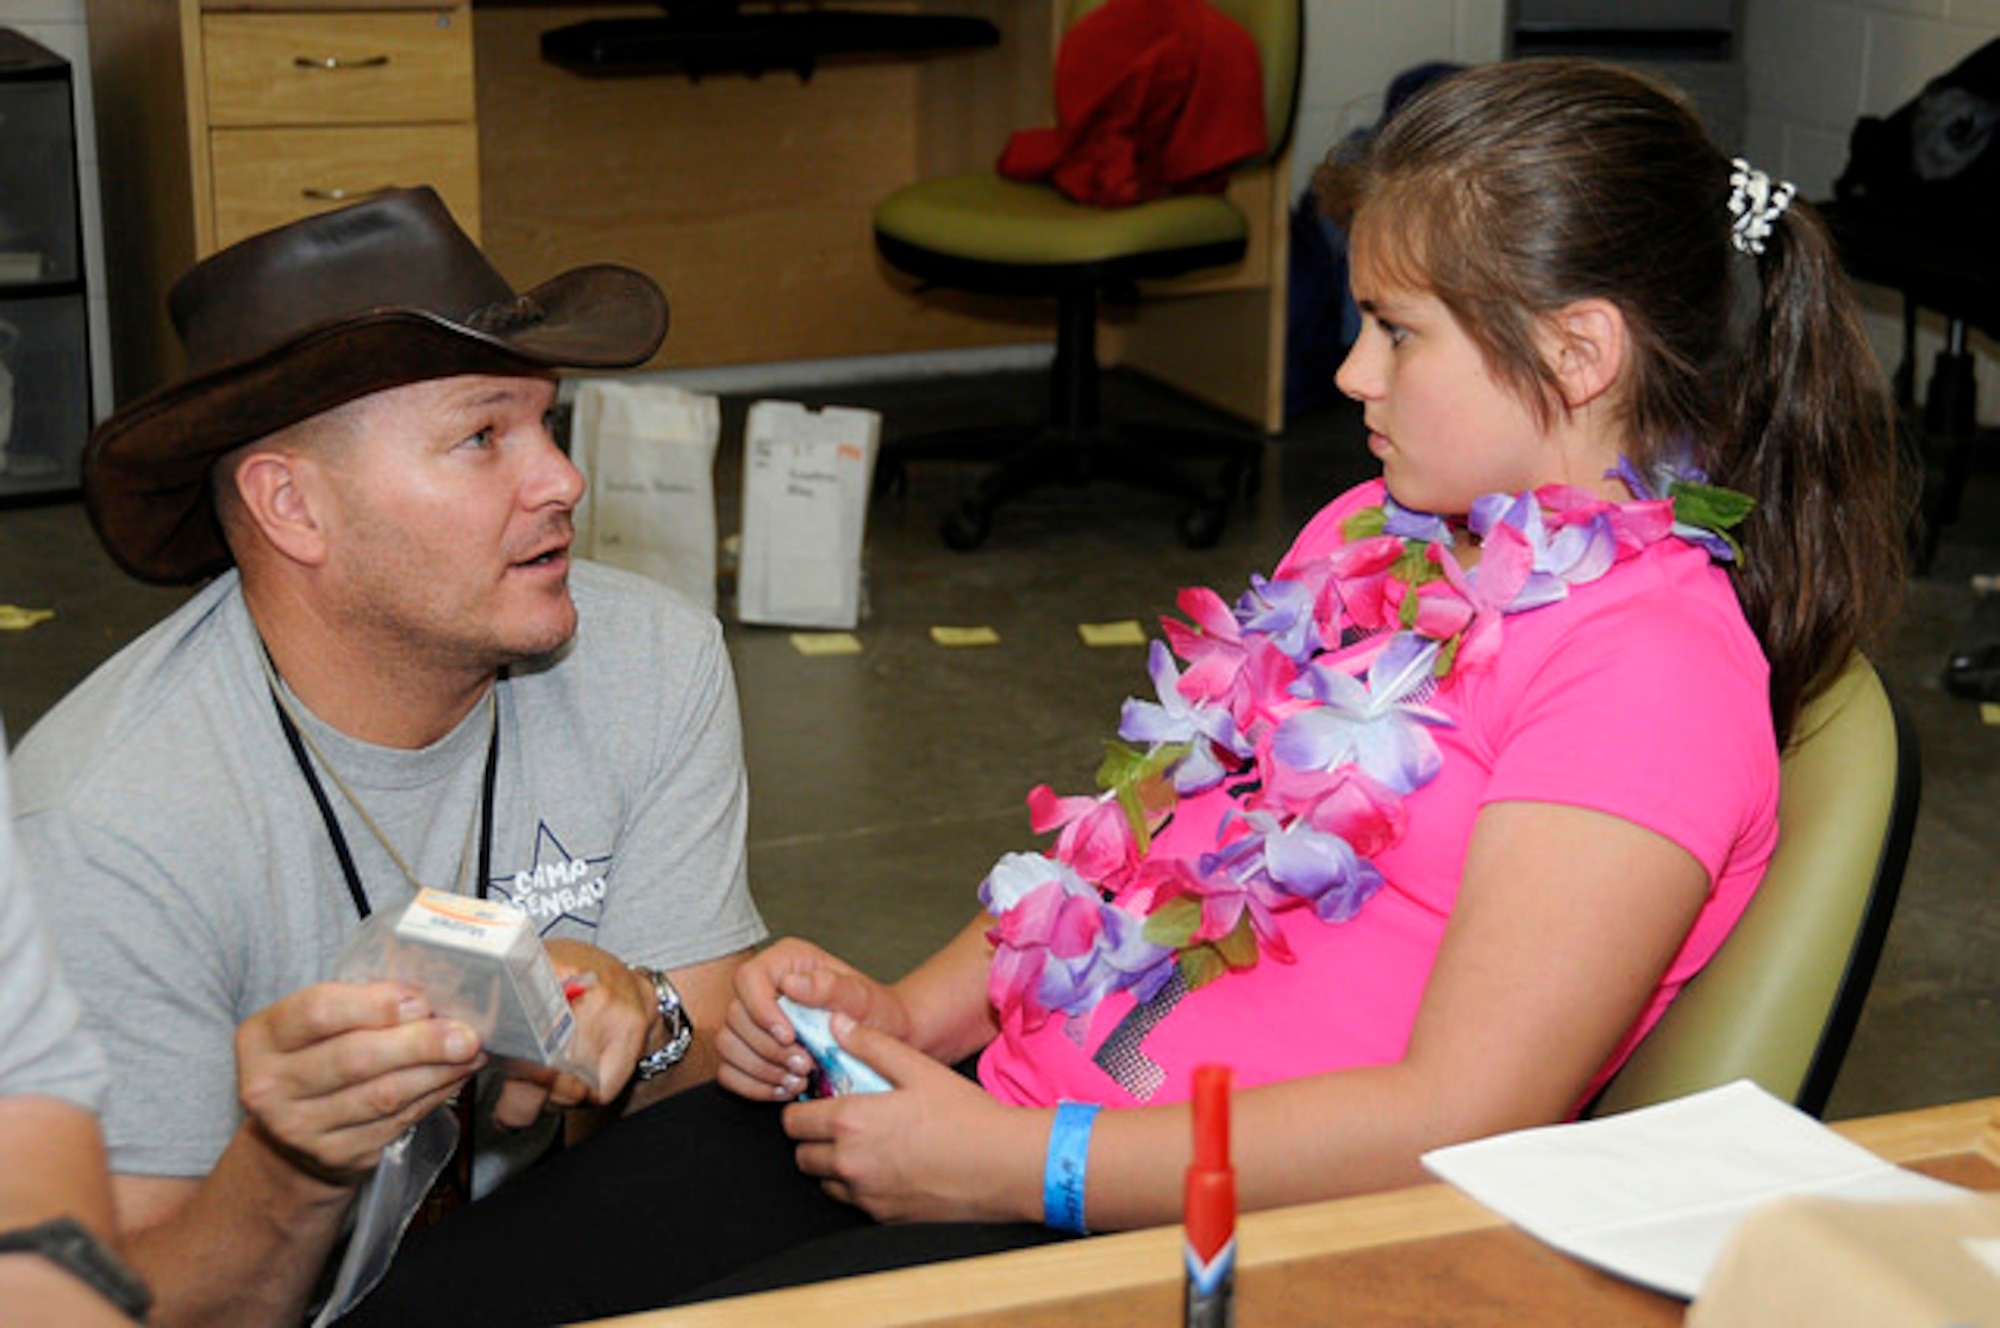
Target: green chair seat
984, 218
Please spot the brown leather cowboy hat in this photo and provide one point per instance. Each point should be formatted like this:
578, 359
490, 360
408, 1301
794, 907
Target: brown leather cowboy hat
298, 320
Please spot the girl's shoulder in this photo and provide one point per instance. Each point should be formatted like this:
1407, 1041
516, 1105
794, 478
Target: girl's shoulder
1323, 533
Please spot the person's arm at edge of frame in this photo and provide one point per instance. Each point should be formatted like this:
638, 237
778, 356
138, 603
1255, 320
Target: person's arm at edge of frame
1539, 976
51, 1165
341, 1070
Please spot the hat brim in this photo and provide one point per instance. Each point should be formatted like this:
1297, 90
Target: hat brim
146, 467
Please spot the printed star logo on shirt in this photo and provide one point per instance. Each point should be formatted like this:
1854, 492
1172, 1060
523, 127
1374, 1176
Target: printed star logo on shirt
558, 886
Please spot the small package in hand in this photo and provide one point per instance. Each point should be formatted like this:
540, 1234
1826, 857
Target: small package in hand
839, 1071
479, 961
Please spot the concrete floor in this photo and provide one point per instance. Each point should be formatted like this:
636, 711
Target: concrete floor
884, 784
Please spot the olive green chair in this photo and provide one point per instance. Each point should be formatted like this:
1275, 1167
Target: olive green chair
1779, 1002
982, 233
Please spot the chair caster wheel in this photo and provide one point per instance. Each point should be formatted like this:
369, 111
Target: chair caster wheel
1200, 527
966, 528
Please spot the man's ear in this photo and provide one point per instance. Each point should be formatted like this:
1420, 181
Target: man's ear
1589, 343
276, 496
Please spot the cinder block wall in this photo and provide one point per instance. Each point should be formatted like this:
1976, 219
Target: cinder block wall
1355, 47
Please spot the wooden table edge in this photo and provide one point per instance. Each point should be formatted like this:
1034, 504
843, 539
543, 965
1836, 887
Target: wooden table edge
999, 1282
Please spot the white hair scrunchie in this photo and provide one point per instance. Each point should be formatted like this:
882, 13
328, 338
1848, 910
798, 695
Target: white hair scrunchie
1756, 204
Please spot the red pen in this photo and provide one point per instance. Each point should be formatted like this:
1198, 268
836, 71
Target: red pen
1210, 1217
576, 984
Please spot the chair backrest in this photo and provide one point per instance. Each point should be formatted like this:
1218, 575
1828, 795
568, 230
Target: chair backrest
1779, 1001
1278, 28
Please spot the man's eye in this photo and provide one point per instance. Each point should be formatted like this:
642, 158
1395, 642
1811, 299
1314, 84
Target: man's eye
484, 438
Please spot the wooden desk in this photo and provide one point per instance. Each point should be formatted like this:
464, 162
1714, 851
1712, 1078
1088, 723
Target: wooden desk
1421, 1256
749, 200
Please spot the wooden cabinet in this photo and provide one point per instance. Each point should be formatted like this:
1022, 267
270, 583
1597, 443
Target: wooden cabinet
221, 118
748, 199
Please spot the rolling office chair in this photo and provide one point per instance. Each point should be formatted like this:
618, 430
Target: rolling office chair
1779, 1002
983, 233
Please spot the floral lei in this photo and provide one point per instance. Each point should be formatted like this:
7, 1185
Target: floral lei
1307, 698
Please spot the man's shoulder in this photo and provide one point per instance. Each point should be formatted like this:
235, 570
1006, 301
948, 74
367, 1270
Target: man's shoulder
627, 621
612, 592
133, 714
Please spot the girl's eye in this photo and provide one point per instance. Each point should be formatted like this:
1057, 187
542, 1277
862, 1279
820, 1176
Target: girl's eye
1396, 332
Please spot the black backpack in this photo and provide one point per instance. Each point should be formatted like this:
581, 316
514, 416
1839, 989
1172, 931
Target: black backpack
1937, 157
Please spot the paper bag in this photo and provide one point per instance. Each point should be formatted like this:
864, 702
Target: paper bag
1834, 1263
648, 452
806, 476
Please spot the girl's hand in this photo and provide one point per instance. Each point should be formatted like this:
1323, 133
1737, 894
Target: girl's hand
937, 1149
761, 1055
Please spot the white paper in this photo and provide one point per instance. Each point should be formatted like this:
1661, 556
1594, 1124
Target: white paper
806, 476
1652, 1195
648, 452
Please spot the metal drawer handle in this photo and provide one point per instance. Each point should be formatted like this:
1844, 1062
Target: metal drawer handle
335, 62
344, 195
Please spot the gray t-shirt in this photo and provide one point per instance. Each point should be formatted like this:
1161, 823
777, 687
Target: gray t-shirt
189, 878
43, 1050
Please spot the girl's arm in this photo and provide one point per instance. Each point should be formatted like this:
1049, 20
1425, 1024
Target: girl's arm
1566, 919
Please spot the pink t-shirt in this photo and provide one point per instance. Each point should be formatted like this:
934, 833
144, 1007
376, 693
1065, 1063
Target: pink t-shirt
1643, 694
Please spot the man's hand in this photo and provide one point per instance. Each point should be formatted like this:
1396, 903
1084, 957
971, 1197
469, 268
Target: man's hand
614, 1017
334, 1073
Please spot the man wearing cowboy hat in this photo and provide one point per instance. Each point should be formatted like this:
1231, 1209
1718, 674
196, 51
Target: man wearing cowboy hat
395, 678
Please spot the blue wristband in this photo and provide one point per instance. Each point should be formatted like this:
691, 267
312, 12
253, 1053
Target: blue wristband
1069, 1159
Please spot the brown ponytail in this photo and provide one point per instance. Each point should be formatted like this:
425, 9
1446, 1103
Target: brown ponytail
1813, 438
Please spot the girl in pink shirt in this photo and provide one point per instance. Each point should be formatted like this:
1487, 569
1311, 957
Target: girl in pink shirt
1424, 832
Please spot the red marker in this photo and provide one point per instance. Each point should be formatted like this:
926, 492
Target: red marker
576, 984
1210, 1218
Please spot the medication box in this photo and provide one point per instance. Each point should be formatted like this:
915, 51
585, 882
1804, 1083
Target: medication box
479, 961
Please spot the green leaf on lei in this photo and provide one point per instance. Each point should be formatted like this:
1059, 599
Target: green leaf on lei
1239, 947
1200, 966
1172, 925
1414, 566
1212, 959
1139, 779
1712, 508
1365, 524
1447, 657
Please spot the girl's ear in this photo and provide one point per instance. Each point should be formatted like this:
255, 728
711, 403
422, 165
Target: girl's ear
1588, 344
275, 491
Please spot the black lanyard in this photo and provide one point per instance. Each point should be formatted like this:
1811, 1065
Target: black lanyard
348, 870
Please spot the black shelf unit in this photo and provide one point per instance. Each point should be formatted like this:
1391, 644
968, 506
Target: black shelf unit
718, 37
45, 410
1696, 44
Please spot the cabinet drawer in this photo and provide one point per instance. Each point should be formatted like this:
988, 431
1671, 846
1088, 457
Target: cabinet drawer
338, 68
267, 177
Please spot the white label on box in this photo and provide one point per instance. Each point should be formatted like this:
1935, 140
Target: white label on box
459, 922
